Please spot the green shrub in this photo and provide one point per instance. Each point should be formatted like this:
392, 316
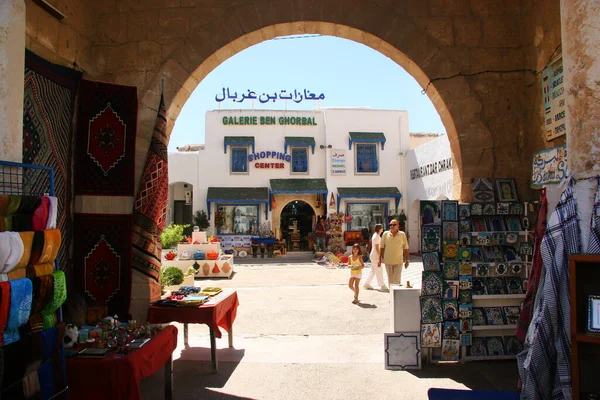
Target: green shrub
172, 235
171, 276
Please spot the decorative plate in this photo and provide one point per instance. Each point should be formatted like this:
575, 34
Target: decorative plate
476, 209
431, 261
512, 345
431, 283
516, 268
495, 286
512, 237
512, 314
514, 285
489, 209
526, 249
464, 226
479, 347
464, 253
465, 310
451, 330
242, 253
431, 309
466, 324
450, 350
501, 269
450, 290
494, 315
465, 296
464, 210
450, 250
464, 239
450, 308
484, 197
450, 230
482, 270
479, 317
502, 208
431, 335
495, 347
466, 339
466, 269
480, 286
449, 210
451, 269
431, 238
517, 208
466, 282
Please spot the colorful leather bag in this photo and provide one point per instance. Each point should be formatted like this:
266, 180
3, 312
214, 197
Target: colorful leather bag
199, 255
58, 298
20, 308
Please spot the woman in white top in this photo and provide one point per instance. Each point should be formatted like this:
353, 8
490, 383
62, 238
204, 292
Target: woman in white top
376, 269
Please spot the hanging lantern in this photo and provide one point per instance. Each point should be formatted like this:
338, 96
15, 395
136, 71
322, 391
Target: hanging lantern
332, 201
273, 204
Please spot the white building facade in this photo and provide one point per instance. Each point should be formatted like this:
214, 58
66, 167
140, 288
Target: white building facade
281, 170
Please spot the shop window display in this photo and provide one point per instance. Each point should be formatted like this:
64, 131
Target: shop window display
237, 219
239, 159
366, 158
299, 160
365, 216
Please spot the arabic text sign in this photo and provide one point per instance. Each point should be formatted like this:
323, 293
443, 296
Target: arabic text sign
297, 96
553, 91
549, 166
338, 162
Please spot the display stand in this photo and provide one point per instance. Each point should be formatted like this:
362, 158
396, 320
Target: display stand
219, 268
19, 179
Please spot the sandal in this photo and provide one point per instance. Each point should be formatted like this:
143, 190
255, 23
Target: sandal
355, 301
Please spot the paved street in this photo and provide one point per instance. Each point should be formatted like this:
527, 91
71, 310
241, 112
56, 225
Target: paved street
297, 335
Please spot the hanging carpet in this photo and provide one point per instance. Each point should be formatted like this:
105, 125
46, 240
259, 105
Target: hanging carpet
105, 146
48, 109
150, 206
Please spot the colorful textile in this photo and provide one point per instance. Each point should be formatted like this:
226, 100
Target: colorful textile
59, 296
22, 220
20, 307
545, 364
52, 213
13, 205
40, 215
4, 307
11, 387
52, 240
27, 239
536, 270
48, 110
3, 209
50, 374
105, 148
11, 251
42, 292
150, 206
103, 260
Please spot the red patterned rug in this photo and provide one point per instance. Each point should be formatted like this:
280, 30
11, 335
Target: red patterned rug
150, 206
103, 260
105, 146
48, 110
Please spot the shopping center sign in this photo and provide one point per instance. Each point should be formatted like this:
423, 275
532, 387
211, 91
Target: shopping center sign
268, 120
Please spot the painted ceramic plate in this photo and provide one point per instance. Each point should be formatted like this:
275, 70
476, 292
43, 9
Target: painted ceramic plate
479, 347
476, 209
242, 254
489, 209
512, 346
431, 309
432, 283
495, 346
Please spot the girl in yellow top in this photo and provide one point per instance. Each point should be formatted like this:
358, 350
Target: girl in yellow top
356, 267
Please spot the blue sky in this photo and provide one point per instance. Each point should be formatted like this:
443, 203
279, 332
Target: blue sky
349, 74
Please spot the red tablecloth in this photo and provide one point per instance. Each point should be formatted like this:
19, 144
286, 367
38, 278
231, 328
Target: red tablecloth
117, 377
219, 311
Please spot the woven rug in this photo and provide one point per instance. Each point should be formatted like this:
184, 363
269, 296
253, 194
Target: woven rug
150, 206
103, 260
105, 146
48, 110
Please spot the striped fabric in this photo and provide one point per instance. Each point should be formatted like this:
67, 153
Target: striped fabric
545, 364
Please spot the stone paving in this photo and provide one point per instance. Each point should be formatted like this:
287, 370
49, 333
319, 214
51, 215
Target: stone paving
297, 335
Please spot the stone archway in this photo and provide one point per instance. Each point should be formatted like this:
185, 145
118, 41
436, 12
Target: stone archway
299, 213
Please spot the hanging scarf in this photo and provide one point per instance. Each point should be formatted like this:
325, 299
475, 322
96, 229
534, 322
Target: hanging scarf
3, 210
59, 296
11, 251
51, 244
20, 307
43, 290
52, 212
13, 205
4, 307
41, 270
51, 373
37, 247
40, 215
27, 239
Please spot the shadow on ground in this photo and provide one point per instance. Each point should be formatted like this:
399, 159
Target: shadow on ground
491, 375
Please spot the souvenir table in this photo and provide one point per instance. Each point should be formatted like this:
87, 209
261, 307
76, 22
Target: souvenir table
219, 311
117, 376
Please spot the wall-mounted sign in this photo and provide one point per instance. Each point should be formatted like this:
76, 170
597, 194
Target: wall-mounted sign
338, 162
431, 169
549, 166
553, 92
268, 120
297, 96
274, 163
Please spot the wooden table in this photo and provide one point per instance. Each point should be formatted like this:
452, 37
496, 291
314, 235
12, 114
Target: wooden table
219, 311
118, 377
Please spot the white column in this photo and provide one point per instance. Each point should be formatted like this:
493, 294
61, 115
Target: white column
12, 70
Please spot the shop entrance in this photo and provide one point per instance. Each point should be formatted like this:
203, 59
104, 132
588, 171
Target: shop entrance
296, 223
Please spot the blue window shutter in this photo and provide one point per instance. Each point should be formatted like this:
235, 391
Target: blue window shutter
366, 158
239, 157
299, 160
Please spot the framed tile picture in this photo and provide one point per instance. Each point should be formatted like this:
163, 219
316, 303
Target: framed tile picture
431, 335
506, 190
449, 210
594, 313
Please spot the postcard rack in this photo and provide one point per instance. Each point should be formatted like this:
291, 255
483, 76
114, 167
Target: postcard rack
20, 179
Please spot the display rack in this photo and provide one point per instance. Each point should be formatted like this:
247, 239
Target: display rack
18, 179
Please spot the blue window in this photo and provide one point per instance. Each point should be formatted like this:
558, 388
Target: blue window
299, 160
366, 158
239, 159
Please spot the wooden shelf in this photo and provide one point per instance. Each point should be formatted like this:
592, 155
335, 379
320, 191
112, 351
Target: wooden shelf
522, 233
588, 337
485, 358
497, 296
492, 327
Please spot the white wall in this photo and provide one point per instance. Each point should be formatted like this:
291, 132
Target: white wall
430, 187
